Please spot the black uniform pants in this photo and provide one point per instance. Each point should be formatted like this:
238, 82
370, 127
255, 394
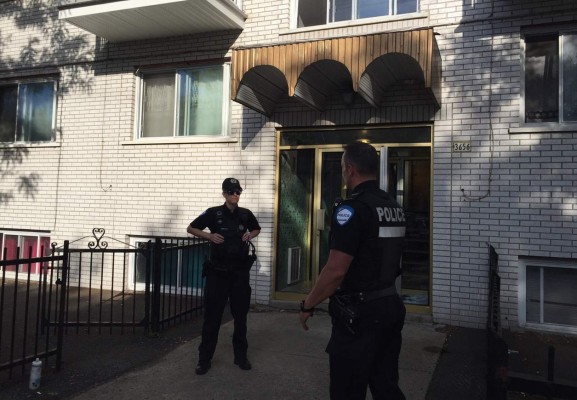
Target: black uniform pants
218, 289
370, 357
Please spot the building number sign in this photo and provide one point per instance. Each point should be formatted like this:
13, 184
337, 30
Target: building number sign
461, 147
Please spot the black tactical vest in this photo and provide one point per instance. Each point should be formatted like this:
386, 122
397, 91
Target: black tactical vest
234, 250
378, 261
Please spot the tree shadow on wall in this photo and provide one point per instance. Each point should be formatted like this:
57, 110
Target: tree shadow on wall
50, 49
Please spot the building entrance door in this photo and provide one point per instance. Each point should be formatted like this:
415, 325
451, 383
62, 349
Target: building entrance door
310, 181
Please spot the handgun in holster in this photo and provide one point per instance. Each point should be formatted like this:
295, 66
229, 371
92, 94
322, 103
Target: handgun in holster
343, 312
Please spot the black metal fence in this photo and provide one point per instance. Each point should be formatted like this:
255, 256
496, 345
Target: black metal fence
27, 300
142, 287
497, 357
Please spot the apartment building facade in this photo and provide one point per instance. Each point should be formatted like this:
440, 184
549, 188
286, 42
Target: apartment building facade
127, 115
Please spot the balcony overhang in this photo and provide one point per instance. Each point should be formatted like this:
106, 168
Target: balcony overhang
126, 20
374, 66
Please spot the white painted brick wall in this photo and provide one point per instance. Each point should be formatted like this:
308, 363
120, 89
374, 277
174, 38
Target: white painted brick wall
94, 176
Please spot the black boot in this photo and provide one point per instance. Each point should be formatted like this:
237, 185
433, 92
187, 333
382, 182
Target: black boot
202, 368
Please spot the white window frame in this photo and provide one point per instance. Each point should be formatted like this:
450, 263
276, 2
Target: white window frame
174, 138
353, 19
19, 82
536, 33
522, 294
23, 251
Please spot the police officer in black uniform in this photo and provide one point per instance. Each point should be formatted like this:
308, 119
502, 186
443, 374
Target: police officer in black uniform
367, 235
227, 272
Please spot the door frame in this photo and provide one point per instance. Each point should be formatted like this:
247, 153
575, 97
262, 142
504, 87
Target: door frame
362, 130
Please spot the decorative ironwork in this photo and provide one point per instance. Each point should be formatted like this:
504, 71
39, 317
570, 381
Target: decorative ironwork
98, 233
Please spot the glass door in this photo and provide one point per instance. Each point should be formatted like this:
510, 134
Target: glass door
331, 187
295, 207
409, 180
309, 181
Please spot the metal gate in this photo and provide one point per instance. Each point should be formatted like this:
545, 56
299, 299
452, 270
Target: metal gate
143, 288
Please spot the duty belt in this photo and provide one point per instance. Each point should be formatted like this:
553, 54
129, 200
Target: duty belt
370, 295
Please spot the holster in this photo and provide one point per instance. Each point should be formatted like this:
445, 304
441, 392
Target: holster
251, 258
344, 312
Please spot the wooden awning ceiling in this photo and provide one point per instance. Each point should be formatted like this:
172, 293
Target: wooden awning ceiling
314, 71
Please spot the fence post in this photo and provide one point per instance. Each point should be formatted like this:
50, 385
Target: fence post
64, 280
156, 275
147, 253
497, 357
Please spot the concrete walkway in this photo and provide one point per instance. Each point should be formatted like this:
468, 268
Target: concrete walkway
288, 363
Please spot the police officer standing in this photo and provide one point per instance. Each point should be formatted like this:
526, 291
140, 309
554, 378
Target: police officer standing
227, 273
367, 235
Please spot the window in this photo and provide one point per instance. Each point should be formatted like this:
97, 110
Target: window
551, 78
186, 102
26, 245
548, 295
320, 12
181, 265
27, 111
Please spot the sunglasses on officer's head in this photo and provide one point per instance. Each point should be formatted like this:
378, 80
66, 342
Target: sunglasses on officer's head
231, 192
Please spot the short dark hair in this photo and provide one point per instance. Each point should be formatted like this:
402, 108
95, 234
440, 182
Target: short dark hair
363, 157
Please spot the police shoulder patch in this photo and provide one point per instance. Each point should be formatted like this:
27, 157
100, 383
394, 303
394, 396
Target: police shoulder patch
343, 214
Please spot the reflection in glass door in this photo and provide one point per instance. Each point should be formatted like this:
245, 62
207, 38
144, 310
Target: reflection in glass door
293, 271
310, 181
331, 188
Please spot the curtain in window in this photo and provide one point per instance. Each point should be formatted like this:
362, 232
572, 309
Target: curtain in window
35, 112
542, 80
158, 105
10, 249
8, 96
559, 302
570, 77
29, 250
560, 296
45, 250
201, 101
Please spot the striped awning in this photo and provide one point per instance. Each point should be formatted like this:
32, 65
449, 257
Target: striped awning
314, 71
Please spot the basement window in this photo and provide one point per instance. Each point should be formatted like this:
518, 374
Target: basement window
22, 246
548, 295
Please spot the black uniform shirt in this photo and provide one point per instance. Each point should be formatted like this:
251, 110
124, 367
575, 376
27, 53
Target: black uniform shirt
231, 225
370, 226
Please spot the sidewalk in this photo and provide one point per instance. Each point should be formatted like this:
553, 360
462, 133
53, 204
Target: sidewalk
288, 363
